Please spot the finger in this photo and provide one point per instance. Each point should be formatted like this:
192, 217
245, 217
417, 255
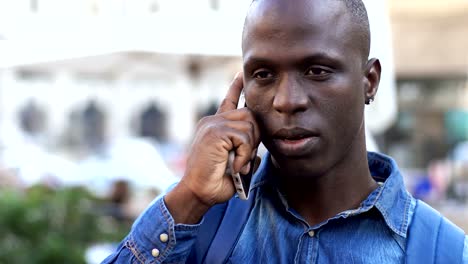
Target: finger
232, 97
240, 143
244, 127
246, 115
249, 116
247, 167
243, 154
233, 139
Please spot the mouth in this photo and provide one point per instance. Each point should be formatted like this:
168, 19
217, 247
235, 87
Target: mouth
295, 141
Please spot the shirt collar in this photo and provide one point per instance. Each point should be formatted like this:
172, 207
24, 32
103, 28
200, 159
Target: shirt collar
391, 198
394, 202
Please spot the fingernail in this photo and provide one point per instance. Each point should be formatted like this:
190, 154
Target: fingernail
246, 169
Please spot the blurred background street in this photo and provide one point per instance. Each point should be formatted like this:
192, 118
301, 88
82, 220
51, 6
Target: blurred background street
99, 100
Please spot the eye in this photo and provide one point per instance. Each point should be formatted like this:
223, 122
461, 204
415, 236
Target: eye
262, 74
318, 72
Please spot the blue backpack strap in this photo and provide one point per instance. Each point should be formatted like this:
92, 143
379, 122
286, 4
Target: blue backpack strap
229, 231
220, 230
451, 243
206, 232
433, 238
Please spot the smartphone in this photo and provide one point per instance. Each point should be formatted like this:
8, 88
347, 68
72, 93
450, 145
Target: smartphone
241, 181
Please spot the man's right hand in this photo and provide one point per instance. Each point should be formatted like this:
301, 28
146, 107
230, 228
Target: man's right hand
205, 182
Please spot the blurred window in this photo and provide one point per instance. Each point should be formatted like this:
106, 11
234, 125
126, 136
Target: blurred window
30, 75
34, 5
153, 123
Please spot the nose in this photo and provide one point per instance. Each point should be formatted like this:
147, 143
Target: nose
290, 97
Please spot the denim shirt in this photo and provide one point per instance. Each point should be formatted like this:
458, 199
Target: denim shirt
375, 232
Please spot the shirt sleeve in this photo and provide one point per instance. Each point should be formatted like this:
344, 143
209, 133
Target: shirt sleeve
155, 238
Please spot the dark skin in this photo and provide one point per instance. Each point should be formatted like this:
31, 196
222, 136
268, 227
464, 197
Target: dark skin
306, 80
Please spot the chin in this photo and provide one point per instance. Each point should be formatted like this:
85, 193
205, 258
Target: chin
305, 166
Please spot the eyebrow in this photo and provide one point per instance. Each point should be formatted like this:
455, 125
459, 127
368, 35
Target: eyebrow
319, 57
322, 57
253, 61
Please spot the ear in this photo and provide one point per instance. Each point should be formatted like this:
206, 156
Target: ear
371, 79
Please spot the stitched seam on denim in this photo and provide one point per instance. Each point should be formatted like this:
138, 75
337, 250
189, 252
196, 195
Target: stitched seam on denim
437, 243
298, 254
170, 223
131, 245
363, 209
389, 224
403, 225
258, 184
385, 214
404, 222
399, 240
377, 197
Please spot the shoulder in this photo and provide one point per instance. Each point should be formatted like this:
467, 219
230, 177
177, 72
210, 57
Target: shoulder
431, 236
425, 218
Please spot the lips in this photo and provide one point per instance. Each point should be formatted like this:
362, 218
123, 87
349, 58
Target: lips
295, 133
295, 141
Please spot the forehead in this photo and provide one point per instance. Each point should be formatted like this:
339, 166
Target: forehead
288, 28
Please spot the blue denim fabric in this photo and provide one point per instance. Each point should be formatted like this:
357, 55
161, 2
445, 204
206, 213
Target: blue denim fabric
375, 232
465, 251
145, 237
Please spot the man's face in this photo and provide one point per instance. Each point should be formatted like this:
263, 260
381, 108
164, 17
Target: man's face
304, 79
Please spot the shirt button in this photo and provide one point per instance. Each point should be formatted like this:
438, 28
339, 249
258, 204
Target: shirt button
155, 252
311, 233
163, 237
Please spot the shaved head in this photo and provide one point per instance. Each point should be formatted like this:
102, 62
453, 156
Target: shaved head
356, 10
359, 14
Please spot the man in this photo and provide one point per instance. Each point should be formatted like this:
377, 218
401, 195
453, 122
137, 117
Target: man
318, 197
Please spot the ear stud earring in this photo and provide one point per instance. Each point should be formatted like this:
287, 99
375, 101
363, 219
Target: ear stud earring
369, 100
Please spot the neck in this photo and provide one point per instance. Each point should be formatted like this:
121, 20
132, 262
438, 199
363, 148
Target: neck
341, 188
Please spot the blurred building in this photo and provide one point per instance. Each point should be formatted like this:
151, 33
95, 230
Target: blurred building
129, 55
179, 56
431, 63
95, 68
126, 55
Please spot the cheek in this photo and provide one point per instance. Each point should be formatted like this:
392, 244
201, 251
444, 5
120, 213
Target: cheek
351, 117
256, 101
343, 108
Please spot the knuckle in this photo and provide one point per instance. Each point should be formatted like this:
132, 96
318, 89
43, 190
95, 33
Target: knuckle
203, 121
211, 127
246, 139
251, 128
208, 123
